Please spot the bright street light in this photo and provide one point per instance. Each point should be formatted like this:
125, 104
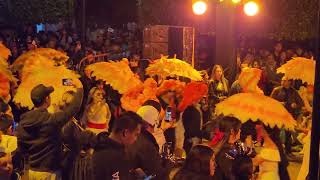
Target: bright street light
236, 1
251, 8
199, 7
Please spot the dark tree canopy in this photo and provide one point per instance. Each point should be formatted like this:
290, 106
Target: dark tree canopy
45, 11
282, 19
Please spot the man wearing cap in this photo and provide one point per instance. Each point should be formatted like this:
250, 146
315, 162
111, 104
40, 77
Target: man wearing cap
39, 133
144, 154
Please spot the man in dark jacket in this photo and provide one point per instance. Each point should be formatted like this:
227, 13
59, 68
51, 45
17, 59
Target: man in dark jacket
144, 154
39, 133
291, 101
110, 159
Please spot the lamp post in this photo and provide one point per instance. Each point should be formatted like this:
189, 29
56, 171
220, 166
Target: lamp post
83, 22
315, 132
225, 43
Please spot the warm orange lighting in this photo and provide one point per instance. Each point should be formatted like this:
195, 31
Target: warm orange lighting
199, 7
236, 1
251, 8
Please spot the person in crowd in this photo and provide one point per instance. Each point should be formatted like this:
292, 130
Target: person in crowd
5, 108
199, 165
110, 157
271, 159
218, 87
145, 152
223, 141
263, 79
6, 167
77, 147
283, 58
277, 51
192, 120
77, 53
38, 133
7, 140
168, 100
97, 114
291, 101
242, 168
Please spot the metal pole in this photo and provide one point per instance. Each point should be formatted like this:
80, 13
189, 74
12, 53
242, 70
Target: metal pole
315, 133
83, 22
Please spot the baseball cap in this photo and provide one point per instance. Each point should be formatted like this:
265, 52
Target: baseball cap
149, 114
40, 92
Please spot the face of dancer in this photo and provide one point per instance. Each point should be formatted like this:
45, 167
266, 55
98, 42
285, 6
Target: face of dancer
98, 96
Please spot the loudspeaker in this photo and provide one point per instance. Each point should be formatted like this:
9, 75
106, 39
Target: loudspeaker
168, 40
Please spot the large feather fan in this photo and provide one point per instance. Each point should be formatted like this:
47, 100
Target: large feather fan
51, 54
171, 85
134, 98
5, 78
51, 76
299, 68
173, 67
193, 93
254, 106
34, 61
117, 74
4, 52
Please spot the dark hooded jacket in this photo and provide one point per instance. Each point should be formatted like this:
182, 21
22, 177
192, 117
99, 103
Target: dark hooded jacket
109, 160
39, 135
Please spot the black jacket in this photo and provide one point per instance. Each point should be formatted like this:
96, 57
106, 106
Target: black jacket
144, 154
189, 175
191, 119
288, 96
109, 160
224, 164
39, 135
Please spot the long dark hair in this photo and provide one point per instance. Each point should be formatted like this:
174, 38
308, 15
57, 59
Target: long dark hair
274, 134
198, 160
226, 124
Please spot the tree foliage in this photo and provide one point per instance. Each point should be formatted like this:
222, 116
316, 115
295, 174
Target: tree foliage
292, 19
164, 12
283, 19
44, 11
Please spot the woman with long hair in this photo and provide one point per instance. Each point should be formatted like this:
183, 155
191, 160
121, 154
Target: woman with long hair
199, 165
218, 87
226, 135
271, 159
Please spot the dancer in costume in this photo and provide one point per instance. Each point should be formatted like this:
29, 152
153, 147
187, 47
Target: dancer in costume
97, 113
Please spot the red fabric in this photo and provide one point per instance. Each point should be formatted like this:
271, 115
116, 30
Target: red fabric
217, 137
97, 126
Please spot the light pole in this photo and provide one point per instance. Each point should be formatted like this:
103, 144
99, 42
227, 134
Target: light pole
225, 37
83, 22
315, 132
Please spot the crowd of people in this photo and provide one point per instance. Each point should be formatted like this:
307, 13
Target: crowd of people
110, 43
92, 137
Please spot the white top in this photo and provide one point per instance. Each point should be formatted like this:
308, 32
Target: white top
269, 168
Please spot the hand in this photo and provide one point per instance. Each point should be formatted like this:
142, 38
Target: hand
166, 125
